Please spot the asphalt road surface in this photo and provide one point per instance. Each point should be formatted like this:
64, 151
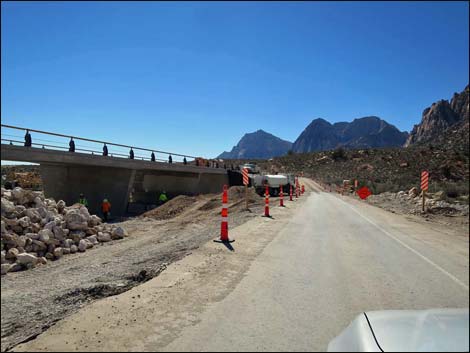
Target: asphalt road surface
333, 261
292, 284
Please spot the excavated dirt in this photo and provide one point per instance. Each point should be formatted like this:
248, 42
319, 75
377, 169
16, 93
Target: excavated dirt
172, 208
34, 300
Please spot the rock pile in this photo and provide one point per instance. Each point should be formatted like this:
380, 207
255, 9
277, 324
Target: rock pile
411, 202
435, 202
35, 230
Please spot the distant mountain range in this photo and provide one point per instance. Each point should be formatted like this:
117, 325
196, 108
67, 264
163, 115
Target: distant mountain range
366, 132
258, 144
320, 135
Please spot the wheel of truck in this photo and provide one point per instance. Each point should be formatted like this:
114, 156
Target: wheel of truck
285, 189
272, 191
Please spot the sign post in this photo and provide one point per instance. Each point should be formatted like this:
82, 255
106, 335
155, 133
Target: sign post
245, 182
424, 185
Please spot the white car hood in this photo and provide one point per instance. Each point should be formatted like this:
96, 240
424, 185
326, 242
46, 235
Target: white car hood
435, 330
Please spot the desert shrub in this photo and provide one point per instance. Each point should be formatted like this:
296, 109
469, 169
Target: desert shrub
452, 193
454, 190
446, 171
379, 188
339, 154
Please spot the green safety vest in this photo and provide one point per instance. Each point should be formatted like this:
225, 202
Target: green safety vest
84, 202
163, 198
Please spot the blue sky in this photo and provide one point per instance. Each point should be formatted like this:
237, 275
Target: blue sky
193, 77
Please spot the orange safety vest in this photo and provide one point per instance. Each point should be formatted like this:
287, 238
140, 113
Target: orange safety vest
105, 206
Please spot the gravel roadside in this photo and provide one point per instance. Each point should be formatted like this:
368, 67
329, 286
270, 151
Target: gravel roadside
32, 301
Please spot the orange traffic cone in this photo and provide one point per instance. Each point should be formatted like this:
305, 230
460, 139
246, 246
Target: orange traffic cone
224, 224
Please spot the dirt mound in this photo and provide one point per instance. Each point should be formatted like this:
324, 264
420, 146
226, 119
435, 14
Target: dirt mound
236, 195
212, 204
171, 209
27, 177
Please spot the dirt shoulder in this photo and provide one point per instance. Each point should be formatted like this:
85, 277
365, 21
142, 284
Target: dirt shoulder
453, 218
152, 314
34, 300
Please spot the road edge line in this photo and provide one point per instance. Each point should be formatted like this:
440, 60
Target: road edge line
436, 266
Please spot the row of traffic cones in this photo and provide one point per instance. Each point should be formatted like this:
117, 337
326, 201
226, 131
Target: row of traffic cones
224, 223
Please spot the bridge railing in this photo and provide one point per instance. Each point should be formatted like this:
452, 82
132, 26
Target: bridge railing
55, 141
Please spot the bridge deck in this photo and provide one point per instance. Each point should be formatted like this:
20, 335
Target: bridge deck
40, 155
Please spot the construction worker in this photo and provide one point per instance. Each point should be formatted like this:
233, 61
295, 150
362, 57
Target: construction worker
163, 198
83, 201
170, 160
71, 145
131, 154
106, 208
105, 150
152, 157
27, 139
185, 161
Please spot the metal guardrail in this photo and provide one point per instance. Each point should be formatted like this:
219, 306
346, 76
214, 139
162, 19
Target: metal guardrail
93, 152
211, 163
91, 140
105, 143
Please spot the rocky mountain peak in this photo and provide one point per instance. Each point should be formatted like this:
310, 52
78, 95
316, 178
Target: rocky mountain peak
258, 144
440, 116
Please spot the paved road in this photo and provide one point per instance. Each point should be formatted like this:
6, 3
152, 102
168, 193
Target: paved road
334, 260
292, 284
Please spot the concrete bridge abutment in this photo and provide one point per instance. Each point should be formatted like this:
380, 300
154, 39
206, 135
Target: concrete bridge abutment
66, 182
67, 174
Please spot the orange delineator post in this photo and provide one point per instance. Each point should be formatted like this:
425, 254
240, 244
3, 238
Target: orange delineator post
290, 193
296, 187
303, 188
281, 199
224, 223
266, 202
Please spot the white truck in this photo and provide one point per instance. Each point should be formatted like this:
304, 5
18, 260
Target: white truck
273, 182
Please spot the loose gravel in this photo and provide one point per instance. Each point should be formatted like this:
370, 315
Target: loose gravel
32, 301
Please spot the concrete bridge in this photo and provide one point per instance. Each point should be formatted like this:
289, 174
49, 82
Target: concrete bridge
67, 174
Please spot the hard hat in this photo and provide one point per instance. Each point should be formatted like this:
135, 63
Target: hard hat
105, 200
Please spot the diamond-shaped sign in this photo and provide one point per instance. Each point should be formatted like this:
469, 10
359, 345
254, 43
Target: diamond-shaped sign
364, 192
